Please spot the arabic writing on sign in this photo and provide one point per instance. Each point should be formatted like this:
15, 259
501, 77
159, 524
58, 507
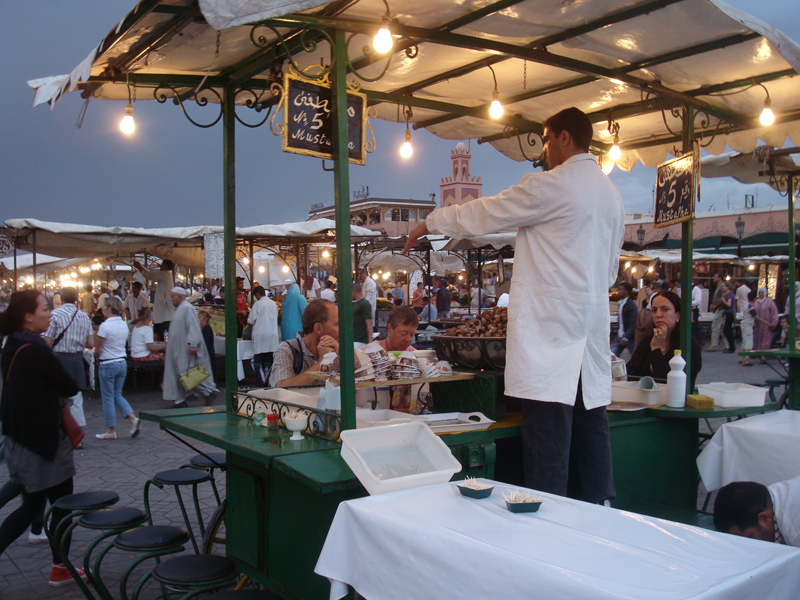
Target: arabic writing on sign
675, 184
309, 120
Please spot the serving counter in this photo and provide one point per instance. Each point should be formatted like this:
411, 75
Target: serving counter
283, 495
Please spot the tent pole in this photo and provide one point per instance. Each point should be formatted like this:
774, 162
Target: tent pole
15, 265
229, 240
790, 189
252, 266
34, 259
341, 178
687, 248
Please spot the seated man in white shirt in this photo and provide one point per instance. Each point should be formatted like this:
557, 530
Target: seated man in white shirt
752, 510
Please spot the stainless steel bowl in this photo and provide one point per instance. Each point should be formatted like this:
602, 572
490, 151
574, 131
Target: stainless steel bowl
474, 353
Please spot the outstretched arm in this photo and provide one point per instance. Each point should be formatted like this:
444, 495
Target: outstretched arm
416, 233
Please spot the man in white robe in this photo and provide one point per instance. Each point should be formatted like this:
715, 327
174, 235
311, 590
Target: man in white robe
185, 349
570, 222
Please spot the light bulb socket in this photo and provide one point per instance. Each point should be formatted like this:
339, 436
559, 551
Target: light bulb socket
129, 110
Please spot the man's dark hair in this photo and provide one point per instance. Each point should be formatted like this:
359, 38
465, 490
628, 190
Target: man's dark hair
626, 286
137, 284
329, 284
752, 295
574, 122
719, 274
69, 295
739, 503
167, 265
647, 282
316, 311
403, 315
398, 302
259, 291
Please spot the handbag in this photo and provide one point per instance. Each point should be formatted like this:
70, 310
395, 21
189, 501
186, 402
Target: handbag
247, 333
193, 377
68, 423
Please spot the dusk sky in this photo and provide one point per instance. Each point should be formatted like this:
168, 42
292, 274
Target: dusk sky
170, 172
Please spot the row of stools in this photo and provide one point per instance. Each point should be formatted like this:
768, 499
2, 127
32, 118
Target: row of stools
133, 531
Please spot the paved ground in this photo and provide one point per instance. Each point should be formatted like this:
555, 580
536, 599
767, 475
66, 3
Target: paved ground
125, 465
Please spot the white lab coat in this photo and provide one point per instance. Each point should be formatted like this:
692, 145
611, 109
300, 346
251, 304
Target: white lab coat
264, 319
570, 225
371, 295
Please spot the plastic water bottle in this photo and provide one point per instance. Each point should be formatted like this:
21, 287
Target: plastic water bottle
676, 382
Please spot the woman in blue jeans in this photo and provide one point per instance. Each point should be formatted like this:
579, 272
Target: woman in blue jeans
109, 345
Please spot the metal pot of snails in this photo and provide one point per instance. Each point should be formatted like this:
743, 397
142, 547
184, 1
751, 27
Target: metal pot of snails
471, 488
520, 502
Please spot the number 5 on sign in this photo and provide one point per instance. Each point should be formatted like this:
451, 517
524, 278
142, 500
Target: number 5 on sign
676, 190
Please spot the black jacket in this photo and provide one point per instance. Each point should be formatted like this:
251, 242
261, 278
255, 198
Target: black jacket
30, 408
628, 320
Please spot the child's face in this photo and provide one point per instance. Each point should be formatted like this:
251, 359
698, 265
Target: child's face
784, 324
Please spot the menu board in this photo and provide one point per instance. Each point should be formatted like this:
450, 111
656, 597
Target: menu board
676, 184
213, 245
307, 120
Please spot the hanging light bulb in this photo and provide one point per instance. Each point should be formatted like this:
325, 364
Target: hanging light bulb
127, 125
613, 127
767, 118
406, 150
495, 109
382, 42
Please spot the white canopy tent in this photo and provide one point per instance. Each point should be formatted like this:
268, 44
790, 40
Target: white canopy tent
616, 60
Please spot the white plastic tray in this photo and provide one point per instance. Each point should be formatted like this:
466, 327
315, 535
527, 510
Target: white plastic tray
629, 391
734, 395
397, 457
366, 417
455, 421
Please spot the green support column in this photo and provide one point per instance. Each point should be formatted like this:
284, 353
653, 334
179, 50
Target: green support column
687, 247
229, 241
791, 269
341, 179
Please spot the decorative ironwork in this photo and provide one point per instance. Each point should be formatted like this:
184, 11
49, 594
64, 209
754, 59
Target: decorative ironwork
530, 139
702, 119
255, 101
306, 43
200, 98
369, 52
780, 183
323, 424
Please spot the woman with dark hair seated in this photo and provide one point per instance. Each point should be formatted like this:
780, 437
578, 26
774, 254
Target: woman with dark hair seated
653, 354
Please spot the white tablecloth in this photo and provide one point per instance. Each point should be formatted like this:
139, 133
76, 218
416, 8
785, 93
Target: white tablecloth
433, 543
244, 351
761, 448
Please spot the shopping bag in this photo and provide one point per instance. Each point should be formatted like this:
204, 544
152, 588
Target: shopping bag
70, 426
193, 377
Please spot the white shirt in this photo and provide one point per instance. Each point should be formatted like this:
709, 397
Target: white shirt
140, 337
115, 333
312, 293
786, 501
697, 297
570, 224
371, 294
264, 319
134, 304
620, 321
741, 298
328, 294
163, 309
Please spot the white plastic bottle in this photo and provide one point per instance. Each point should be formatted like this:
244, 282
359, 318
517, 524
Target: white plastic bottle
676, 382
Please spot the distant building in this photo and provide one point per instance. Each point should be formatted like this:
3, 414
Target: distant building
394, 216
461, 187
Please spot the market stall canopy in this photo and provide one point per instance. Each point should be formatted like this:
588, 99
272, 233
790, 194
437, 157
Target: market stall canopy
751, 167
622, 61
492, 240
182, 245
674, 256
44, 263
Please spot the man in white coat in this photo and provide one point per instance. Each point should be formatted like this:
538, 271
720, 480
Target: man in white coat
185, 349
570, 224
370, 291
163, 307
264, 319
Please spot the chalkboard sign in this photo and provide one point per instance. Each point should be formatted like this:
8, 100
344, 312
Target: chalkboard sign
307, 120
676, 182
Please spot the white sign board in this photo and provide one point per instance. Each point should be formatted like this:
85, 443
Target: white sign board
213, 243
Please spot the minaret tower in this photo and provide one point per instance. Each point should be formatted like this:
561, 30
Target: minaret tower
461, 187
